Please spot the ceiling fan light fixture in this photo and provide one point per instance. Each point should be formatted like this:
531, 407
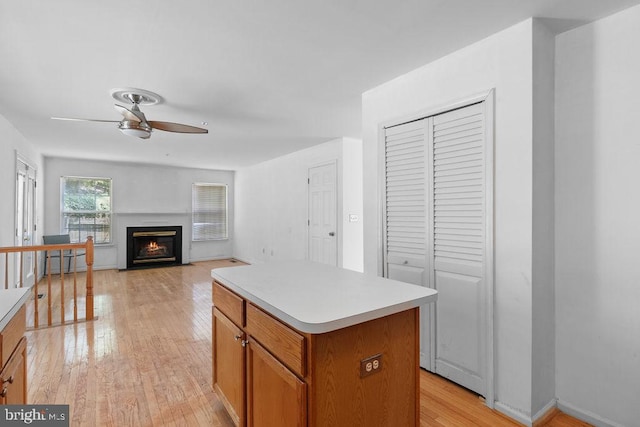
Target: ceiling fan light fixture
137, 129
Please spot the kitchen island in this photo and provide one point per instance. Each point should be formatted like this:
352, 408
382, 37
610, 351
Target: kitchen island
13, 346
306, 344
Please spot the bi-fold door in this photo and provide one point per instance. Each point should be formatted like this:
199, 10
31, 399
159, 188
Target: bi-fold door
435, 233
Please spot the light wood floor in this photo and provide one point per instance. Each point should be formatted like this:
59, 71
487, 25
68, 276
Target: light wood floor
146, 360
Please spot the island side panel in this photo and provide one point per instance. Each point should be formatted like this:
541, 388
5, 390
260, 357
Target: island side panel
340, 396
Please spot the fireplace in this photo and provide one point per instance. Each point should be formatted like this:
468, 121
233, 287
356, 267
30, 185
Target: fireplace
154, 246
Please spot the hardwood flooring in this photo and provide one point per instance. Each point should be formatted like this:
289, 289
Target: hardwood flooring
146, 360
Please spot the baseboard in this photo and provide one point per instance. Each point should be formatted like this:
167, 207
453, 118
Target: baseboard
586, 416
214, 258
545, 414
248, 260
550, 410
513, 414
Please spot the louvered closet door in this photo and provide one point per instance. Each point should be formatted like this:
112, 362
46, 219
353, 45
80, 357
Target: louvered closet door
457, 153
405, 202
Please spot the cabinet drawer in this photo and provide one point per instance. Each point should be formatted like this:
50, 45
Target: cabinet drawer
11, 334
282, 341
229, 303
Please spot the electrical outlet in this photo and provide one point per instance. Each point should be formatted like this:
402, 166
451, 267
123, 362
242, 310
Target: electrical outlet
370, 365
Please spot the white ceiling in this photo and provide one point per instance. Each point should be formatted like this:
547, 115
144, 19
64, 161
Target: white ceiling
269, 77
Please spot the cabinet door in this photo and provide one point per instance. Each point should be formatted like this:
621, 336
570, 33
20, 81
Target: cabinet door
229, 366
13, 378
276, 397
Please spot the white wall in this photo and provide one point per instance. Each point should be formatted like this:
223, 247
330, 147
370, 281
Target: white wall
352, 231
12, 142
503, 62
543, 334
597, 211
272, 205
143, 195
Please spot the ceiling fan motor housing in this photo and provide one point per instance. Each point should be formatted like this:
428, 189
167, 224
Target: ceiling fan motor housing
133, 128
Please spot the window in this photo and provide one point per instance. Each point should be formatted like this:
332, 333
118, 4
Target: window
86, 208
209, 206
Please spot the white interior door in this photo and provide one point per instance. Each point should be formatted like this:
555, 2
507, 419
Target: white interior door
323, 240
437, 233
25, 221
458, 229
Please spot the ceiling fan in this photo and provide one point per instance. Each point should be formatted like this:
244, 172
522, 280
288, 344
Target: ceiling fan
134, 122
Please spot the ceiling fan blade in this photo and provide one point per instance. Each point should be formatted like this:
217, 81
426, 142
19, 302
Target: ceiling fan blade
176, 127
128, 114
84, 120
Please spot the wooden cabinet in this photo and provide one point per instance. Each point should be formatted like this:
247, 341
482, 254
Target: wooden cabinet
275, 395
269, 374
255, 386
14, 377
13, 353
229, 365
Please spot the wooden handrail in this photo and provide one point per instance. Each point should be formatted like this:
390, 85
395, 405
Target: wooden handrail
19, 251
55, 247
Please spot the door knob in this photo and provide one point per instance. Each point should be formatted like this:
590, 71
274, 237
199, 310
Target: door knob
332, 233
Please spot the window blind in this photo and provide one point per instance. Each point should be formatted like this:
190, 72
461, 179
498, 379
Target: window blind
209, 207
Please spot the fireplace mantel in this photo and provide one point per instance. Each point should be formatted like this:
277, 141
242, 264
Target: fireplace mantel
155, 213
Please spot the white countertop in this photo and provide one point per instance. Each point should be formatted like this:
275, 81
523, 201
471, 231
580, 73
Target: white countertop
10, 302
318, 298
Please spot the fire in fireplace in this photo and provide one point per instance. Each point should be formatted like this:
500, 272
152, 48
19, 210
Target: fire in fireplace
154, 246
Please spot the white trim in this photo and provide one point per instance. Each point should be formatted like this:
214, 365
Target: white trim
438, 109
26, 161
524, 418
553, 403
429, 265
241, 259
513, 414
586, 416
62, 211
489, 126
381, 194
209, 258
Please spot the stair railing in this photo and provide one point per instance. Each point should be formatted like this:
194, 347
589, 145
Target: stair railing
15, 256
